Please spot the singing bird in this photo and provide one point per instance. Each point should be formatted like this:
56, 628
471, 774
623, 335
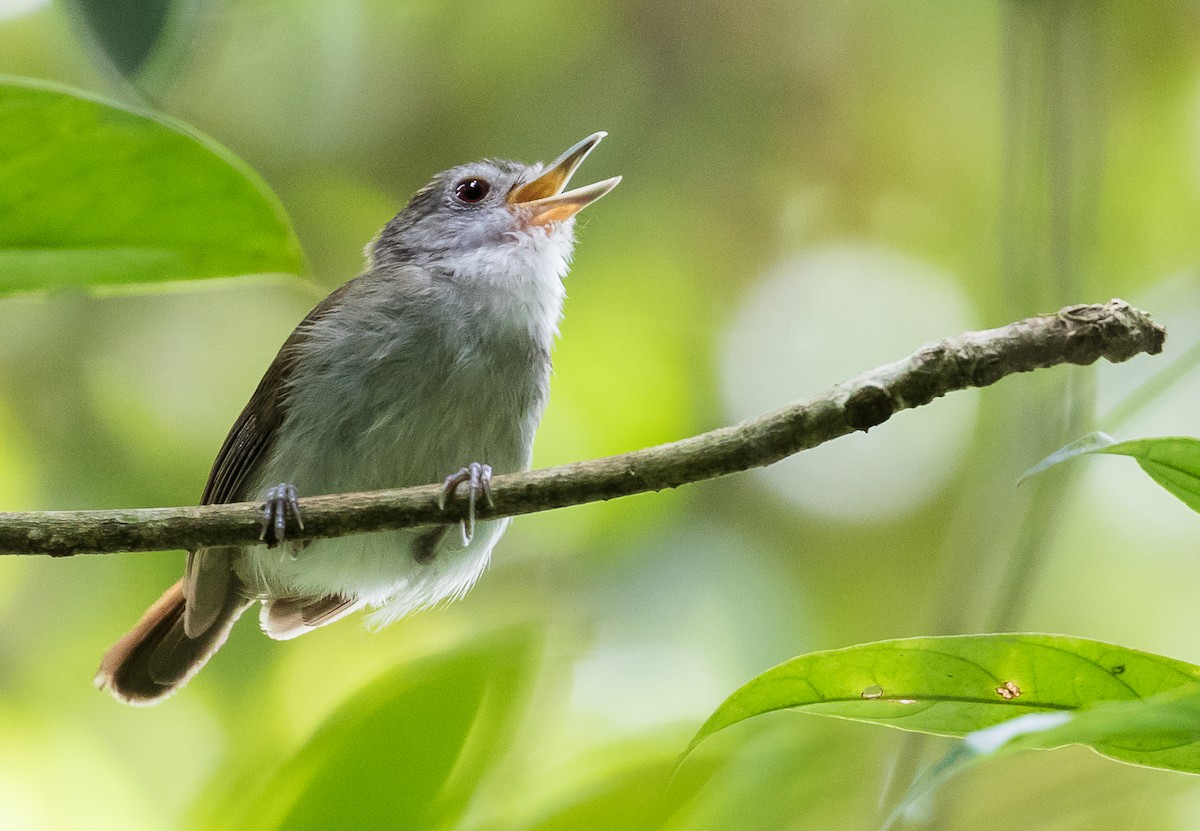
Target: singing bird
433, 365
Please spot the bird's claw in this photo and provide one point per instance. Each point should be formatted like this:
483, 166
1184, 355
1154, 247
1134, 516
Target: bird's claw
478, 478
281, 500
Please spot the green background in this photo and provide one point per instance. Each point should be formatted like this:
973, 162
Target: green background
810, 189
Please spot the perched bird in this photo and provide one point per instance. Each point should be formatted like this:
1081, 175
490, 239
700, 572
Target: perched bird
433, 365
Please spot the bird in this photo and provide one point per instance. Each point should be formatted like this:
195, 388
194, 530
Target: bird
433, 365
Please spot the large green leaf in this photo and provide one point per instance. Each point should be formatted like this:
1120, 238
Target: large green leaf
407, 751
94, 193
1171, 461
960, 684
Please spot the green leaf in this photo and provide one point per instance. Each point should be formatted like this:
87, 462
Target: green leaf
408, 750
1173, 461
1162, 731
94, 193
957, 685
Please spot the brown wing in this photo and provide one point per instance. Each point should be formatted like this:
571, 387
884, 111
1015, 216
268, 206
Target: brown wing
209, 578
252, 434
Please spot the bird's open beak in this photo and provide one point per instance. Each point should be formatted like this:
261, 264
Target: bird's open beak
543, 199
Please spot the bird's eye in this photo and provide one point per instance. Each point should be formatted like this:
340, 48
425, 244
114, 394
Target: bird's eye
471, 191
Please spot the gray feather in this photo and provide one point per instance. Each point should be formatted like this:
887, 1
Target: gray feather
207, 583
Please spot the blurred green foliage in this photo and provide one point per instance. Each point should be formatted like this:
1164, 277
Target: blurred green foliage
1160, 731
126, 34
992, 161
396, 754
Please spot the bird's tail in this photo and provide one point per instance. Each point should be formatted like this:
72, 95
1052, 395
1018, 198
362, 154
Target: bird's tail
157, 657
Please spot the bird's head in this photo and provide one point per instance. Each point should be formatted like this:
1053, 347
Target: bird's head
493, 216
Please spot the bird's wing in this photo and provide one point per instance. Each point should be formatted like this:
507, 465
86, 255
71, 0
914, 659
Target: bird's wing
209, 576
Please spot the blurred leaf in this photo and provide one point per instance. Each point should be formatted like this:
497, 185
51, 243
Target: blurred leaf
93, 193
408, 750
644, 793
961, 684
1091, 443
125, 31
1159, 731
1173, 462
1162, 731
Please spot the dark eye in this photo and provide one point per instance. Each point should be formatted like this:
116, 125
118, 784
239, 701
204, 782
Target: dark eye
471, 190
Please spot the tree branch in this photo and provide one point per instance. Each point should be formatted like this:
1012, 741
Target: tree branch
1077, 334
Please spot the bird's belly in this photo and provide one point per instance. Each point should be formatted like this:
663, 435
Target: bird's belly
341, 445
366, 441
379, 568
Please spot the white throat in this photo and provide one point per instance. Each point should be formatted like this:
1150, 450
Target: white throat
520, 281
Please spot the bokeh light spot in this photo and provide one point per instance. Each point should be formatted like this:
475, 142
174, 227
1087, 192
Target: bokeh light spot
822, 317
16, 8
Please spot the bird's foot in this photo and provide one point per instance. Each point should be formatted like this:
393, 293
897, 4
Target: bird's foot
281, 500
478, 478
